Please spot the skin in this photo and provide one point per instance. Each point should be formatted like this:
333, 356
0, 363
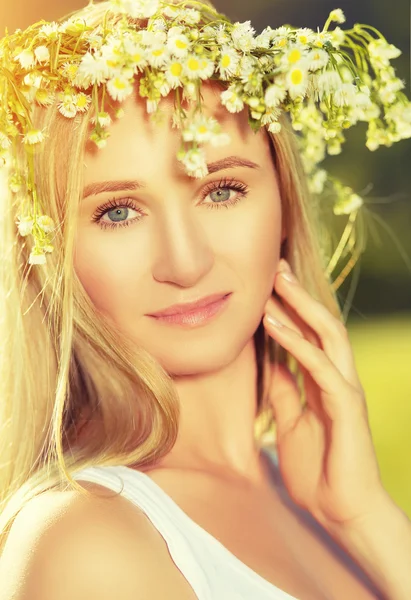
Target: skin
187, 251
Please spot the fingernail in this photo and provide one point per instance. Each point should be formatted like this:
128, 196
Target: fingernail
274, 322
288, 276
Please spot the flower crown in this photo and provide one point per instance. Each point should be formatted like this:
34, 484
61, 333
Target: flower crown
326, 81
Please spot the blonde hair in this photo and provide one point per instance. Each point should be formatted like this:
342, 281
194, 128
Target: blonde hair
74, 393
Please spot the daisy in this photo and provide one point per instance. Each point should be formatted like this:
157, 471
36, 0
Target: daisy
195, 162
25, 225
82, 102
25, 58
92, 69
297, 81
33, 136
42, 54
157, 56
119, 87
178, 45
197, 67
274, 95
67, 107
228, 62
201, 130
337, 16
317, 59
37, 258
174, 73
45, 223
232, 100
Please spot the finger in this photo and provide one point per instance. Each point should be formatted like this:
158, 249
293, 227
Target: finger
331, 332
278, 308
285, 398
338, 395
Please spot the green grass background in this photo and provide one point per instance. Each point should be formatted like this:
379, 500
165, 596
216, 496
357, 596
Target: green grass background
382, 350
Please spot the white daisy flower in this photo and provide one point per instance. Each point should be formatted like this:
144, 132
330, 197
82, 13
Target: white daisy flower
136, 55
49, 30
317, 59
103, 119
195, 162
232, 100
263, 40
191, 16
201, 130
346, 95
45, 223
152, 38
327, 83
92, 69
119, 87
242, 35
67, 107
33, 136
222, 35
37, 258
297, 81
42, 54
82, 102
274, 127
44, 97
171, 11
381, 52
348, 205
228, 62
293, 55
198, 67
338, 37
69, 71
304, 36
174, 74
157, 56
25, 225
337, 16
320, 38
25, 58
178, 45
274, 95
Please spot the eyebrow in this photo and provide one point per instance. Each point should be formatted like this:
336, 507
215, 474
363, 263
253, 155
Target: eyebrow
100, 187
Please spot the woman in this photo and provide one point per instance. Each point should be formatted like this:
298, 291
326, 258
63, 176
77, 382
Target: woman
168, 406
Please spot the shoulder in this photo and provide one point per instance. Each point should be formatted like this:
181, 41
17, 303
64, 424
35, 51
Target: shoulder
66, 545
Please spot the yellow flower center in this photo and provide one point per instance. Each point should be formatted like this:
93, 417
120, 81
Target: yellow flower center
176, 69
158, 52
303, 39
137, 57
81, 101
181, 45
193, 64
225, 61
296, 76
202, 129
120, 85
282, 43
294, 56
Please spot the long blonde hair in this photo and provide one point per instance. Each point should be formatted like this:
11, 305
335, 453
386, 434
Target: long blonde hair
73, 391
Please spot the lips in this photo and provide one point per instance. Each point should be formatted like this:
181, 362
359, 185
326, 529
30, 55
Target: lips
178, 309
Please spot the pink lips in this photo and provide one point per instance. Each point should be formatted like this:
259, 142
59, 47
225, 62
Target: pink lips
197, 316
189, 306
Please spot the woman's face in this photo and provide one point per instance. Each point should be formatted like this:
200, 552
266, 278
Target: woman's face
163, 245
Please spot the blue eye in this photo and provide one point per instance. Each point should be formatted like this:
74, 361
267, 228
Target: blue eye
119, 207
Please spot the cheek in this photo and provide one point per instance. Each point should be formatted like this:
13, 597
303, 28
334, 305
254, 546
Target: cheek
254, 243
105, 269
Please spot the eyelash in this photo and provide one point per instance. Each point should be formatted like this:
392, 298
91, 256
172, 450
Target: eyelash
225, 183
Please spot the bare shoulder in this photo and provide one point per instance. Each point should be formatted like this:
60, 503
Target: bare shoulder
65, 545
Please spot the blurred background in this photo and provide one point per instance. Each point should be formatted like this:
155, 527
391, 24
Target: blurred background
379, 321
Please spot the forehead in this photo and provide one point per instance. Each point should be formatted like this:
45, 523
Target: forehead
145, 145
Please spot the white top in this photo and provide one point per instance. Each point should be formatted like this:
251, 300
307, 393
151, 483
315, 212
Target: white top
209, 567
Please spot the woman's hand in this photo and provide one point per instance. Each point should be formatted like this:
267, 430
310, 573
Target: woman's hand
326, 455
